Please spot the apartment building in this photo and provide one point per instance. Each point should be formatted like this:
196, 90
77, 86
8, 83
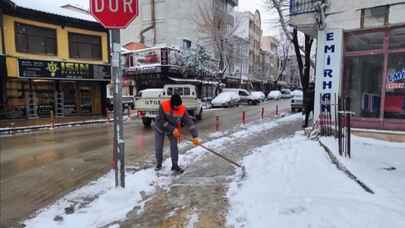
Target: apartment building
270, 45
176, 22
250, 29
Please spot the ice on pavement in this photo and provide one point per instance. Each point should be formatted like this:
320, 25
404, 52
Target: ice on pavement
292, 183
100, 203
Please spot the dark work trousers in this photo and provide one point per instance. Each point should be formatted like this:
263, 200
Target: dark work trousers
307, 113
159, 143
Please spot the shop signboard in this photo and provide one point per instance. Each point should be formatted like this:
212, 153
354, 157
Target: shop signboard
63, 70
151, 60
328, 71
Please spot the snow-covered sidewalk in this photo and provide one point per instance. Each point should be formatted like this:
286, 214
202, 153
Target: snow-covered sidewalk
100, 204
292, 183
379, 164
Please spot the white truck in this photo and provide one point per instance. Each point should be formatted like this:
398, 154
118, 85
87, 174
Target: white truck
147, 104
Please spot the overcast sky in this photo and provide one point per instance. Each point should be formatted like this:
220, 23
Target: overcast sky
268, 18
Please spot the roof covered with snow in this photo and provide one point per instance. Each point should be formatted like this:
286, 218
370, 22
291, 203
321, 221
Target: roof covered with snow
67, 8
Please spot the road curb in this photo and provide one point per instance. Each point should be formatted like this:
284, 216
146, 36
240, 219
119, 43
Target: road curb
34, 128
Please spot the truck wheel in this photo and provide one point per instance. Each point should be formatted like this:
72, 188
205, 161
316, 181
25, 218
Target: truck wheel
147, 122
199, 116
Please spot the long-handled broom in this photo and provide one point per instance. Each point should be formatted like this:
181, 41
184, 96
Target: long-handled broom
223, 157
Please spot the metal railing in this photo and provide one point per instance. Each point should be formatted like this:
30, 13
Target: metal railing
302, 6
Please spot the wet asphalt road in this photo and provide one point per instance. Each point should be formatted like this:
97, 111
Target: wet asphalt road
36, 169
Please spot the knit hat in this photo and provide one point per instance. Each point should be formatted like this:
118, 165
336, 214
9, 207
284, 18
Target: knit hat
175, 100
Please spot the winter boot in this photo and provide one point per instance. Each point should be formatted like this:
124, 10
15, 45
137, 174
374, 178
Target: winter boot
177, 169
158, 167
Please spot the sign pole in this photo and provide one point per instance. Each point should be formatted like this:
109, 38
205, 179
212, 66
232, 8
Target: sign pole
119, 143
116, 15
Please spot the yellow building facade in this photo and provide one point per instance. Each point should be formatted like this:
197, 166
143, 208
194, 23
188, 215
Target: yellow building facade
54, 65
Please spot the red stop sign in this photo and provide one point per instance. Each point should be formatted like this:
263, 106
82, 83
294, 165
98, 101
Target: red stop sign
114, 14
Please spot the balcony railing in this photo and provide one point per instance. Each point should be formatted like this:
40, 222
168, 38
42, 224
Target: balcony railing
302, 6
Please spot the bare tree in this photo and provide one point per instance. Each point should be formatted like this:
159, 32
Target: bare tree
283, 53
304, 66
219, 27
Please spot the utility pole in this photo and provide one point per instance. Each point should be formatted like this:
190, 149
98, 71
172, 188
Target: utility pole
119, 143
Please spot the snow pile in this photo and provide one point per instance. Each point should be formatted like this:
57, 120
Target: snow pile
379, 164
108, 203
193, 219
100, 203
292, 183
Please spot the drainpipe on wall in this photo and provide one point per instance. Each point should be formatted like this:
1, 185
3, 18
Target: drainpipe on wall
153, 26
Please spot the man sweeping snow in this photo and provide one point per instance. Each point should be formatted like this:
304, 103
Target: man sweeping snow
172, 113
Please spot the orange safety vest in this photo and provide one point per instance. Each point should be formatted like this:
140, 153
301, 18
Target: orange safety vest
167, 109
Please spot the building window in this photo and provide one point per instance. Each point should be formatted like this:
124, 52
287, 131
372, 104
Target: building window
365, 41
84, 46
374, 75
397, 38
374, 17
364, 75
186, 44
35, 40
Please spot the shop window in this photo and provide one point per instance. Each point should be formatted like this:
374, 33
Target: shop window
16, 99
84, 46
70, 95
397, 38
45, 94
86, 99
394, 106
364, 75
35, 40
364, 41
374, 17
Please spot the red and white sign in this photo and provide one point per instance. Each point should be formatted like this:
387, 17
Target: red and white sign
114, 14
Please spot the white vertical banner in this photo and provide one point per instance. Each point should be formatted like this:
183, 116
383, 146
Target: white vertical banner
329, 66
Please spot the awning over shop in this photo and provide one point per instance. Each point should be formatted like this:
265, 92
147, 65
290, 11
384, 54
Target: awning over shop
188, 80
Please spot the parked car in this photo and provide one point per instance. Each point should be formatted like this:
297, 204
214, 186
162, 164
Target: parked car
245, 96
297, 92
274, 95
226, 99
286, 94
259, 95
128, 102
297, 103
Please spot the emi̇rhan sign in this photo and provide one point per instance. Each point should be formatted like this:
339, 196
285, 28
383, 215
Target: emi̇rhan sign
328, 70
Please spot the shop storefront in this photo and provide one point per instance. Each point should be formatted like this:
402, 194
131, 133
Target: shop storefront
54, 64
374, 77
66, 89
